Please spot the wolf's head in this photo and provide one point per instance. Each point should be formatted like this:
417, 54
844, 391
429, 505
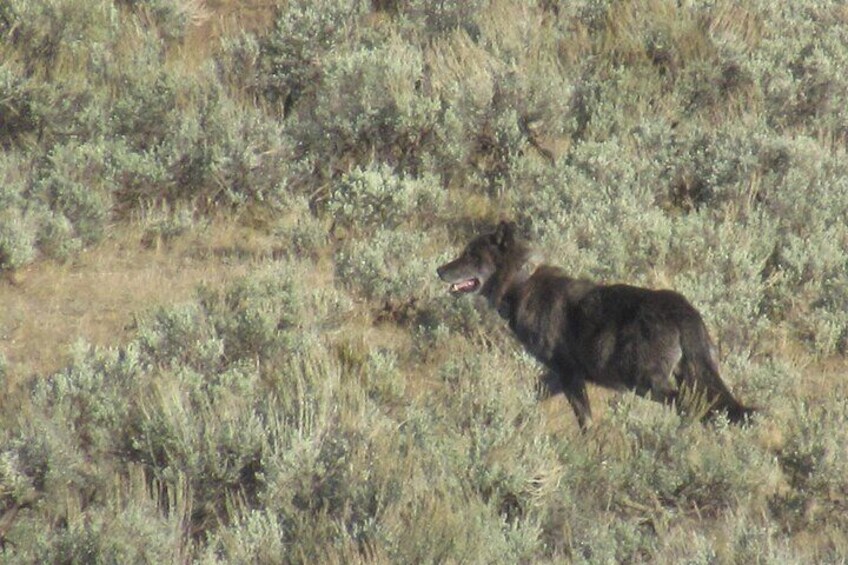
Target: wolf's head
487, 263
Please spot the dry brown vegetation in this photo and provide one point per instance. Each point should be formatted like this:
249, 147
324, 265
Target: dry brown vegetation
49, 306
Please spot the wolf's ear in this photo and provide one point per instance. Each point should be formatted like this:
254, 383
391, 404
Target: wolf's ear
505, 234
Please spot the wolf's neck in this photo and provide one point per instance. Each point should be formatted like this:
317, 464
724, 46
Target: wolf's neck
508, 285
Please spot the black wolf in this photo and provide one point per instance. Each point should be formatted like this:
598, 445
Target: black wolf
618, 336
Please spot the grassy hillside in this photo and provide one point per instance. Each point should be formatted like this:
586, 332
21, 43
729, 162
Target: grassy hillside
222, 338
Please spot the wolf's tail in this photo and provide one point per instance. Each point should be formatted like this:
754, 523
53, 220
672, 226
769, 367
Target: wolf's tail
701, 375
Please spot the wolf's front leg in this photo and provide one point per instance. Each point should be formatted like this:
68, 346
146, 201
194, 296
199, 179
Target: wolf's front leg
575, 392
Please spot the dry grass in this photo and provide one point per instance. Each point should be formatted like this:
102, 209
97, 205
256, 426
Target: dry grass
213, 20
49, 306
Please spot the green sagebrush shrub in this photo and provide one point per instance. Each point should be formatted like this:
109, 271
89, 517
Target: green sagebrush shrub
46, 32
236, 412
189, 400
55, 205
815, 463
387, 269
377, 197
114, 131
17, 239
18, 105
369, 105
218, 153
290, 57
76, 185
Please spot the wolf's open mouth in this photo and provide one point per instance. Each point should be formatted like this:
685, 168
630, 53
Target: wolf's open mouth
468, 285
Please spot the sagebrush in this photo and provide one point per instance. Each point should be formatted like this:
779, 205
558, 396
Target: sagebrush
336, 405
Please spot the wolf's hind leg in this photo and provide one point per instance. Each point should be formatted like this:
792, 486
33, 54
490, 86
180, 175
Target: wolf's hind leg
657, 362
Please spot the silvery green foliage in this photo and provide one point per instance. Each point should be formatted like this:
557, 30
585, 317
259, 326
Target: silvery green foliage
378, 197
18, 225
76, 186
816, 461
19, 106
17, 239
108, 130
304, 33
386, 269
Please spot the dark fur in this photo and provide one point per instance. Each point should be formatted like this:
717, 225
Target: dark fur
618, 336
